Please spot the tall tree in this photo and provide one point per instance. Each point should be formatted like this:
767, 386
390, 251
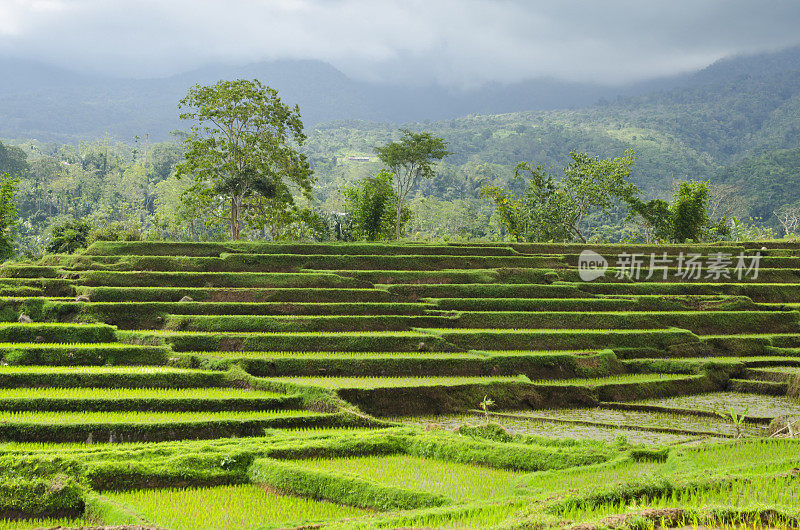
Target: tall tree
688, 212
9, 215
594, 184
410, 159
371, 205
244, 143
12, 160
538, 214
556, 210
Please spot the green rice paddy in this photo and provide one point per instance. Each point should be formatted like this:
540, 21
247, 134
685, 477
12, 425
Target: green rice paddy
133, 393
393, 382
228, 507
31, 524
397, 382
461, 482
135, 417
165, 384
742, 494
94, 370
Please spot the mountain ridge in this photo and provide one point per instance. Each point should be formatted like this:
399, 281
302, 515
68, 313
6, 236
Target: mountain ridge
84, 106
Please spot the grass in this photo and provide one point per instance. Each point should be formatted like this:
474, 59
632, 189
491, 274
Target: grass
225, 507
135, 417
31, 524
94, 370
392, 382
133, 393
461, 482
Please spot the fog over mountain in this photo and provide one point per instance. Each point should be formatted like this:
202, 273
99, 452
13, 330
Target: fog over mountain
452, 43
73, 69
57, 104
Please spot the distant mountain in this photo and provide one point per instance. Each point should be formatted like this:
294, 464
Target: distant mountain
725, 116
54, 104
739, 113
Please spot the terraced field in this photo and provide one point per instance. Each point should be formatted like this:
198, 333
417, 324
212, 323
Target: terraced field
321, 384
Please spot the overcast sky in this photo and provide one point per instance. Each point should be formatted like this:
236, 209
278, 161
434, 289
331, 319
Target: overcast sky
452, 42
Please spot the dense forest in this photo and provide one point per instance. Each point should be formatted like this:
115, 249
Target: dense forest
735, 124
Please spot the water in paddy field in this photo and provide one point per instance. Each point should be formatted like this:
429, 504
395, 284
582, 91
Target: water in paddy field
555, 430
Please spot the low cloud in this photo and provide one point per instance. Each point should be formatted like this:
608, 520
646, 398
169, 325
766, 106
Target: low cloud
452, 42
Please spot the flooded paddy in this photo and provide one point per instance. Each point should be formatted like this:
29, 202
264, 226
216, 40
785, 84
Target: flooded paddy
756, 405
558, 430
640, 420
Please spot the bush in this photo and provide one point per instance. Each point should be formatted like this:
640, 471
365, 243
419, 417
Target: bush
372, 208
115, 231
9, 217
68, 236
794, 387
57, 495
491, 431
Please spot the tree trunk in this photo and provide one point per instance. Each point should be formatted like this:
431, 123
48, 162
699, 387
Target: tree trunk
397, 218
578, 233
234, 219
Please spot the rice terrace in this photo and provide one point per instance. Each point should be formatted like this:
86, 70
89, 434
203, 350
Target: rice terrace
267, 385
399, 264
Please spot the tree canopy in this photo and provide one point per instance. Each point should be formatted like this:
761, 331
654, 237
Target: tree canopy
243, 148
410, 159
552, 209
371, 206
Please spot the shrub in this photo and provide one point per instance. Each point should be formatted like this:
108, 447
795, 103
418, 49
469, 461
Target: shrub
9, 217
794, 387
115, 231
372, 208
68, 236
490, 431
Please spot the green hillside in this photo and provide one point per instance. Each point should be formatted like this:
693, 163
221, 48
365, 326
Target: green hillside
736, 123
720, 116
771, 179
